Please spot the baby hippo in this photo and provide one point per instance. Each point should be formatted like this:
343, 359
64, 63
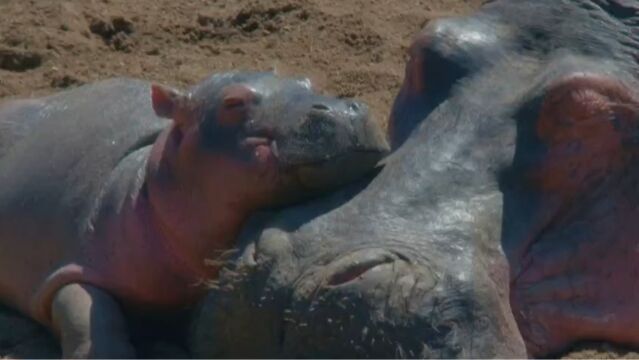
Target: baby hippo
114, 196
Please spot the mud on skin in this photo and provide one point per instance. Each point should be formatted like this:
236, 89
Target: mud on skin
502, 224
115, 196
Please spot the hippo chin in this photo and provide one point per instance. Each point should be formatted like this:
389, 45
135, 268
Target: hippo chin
502, 224
117, 197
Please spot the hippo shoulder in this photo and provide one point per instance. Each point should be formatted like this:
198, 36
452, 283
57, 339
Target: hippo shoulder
64, 148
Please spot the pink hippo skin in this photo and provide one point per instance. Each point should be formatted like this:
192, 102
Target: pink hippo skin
106, 205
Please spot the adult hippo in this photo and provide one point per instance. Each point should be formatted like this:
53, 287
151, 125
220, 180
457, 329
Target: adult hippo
117, 197
501, 226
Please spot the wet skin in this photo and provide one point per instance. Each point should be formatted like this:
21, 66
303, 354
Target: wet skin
501, 226
121, 196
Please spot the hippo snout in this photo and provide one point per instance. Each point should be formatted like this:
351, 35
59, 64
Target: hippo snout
371, 302
350, 142
362, 304
356, 267
282, 301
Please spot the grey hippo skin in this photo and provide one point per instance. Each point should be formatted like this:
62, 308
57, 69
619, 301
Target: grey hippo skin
121, 197
504, 224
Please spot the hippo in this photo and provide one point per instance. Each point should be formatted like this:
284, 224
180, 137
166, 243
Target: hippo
124, 196
500, 225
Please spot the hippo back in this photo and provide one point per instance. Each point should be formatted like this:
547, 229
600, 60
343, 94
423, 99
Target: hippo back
58, 157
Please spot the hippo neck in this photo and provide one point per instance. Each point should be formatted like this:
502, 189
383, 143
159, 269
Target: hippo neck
197, 231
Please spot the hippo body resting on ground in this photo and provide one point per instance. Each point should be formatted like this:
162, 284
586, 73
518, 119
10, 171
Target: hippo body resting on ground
503, 224
113, 195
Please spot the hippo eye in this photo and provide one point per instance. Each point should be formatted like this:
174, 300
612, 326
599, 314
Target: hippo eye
233, 102
233, 110
237, 96
430, 75
430, 69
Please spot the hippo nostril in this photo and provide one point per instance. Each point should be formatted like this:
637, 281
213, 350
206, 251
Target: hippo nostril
353, 272
320, 107
353, 267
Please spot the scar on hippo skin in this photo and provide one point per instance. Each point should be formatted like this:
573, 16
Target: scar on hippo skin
150, 183
563, 294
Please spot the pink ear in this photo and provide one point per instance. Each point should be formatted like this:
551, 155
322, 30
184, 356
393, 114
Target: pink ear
165, 100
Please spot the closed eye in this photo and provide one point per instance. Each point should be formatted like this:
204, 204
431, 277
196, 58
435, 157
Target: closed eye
233, 102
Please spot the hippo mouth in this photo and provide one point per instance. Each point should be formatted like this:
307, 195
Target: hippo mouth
339, 169
263, 148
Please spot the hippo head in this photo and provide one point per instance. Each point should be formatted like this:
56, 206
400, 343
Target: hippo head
554, 87
299, 141
502, 225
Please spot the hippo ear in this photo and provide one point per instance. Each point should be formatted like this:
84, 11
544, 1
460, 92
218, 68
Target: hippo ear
166, 100
306, 82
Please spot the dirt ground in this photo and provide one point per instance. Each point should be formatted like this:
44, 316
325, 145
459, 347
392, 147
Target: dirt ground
352, 48
347, 47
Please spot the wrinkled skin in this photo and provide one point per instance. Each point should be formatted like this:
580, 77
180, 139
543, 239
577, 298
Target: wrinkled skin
115, 192
503, 225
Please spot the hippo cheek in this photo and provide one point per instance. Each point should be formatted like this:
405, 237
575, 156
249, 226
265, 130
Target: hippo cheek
588, 125
570, 279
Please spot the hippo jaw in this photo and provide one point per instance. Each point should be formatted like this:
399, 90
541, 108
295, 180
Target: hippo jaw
318, 170
338, 170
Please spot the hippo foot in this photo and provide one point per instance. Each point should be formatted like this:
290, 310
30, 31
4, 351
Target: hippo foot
90, 324
23, 338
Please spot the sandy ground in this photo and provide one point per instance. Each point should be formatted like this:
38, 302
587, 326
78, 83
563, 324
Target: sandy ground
347, 47
352, 48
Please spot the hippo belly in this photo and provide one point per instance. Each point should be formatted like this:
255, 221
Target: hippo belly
59, 154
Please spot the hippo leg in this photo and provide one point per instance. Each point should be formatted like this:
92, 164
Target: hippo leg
90, 323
